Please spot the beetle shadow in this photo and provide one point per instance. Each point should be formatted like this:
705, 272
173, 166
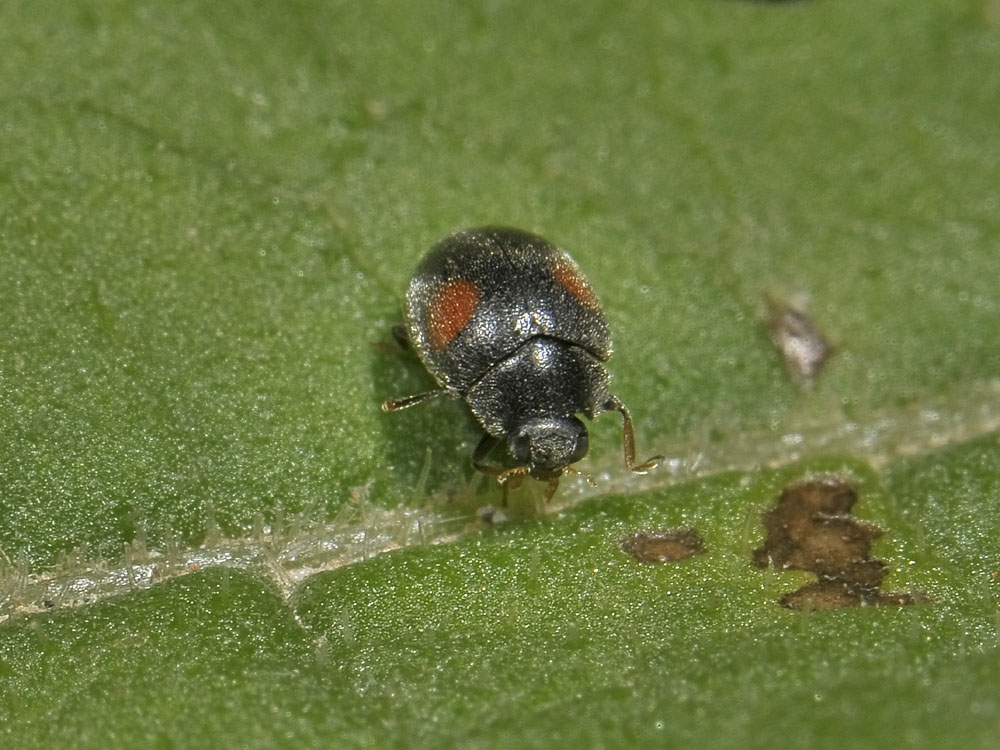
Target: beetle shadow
430, 445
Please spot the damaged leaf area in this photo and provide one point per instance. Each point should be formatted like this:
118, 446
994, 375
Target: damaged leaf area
672, 545
811, 528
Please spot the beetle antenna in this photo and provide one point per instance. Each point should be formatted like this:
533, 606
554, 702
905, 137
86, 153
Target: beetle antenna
577, 473
395, 404
628, 436
504, 476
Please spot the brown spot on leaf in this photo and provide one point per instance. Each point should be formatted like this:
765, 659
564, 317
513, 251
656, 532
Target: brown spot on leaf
672, 545
812, 529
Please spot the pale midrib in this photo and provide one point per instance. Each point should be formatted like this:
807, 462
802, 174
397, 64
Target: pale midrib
363, 531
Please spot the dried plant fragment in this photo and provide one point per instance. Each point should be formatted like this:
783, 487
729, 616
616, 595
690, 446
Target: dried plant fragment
803, 347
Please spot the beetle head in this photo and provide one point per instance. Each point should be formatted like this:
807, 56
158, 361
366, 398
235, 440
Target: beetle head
547, 446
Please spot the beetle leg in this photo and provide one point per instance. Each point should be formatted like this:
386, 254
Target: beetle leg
629, 439
511, 479
401, 336
550, 490
395, 404
485, 447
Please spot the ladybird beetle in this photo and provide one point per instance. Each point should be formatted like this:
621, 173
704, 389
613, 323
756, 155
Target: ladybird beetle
506, 321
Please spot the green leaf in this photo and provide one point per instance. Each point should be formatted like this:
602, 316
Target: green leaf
211, 212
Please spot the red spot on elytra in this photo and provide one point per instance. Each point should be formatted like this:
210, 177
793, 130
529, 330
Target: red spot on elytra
451, 310
570, 279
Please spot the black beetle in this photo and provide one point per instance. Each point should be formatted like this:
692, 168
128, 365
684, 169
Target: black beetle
506, 321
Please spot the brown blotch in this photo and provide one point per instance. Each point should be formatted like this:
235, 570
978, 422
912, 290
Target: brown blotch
570, 279
672, 545
451, 310
812, 529
803, 347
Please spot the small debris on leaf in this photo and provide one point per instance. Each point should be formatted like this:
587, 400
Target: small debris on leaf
804, 349
491, 515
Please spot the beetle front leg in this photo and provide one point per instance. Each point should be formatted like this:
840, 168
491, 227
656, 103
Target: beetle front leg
507, 478
628, 436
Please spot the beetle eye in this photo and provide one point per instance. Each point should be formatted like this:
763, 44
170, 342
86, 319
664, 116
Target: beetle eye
519, 446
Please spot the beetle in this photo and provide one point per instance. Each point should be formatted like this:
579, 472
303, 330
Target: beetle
506, 321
